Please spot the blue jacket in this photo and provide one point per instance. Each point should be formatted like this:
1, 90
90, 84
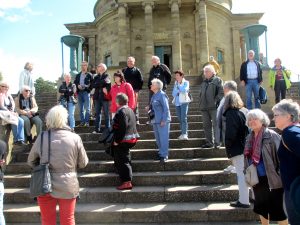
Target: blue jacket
160, 105
183, 88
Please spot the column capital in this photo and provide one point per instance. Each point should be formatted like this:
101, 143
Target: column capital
171, 2
123, 6
148, 3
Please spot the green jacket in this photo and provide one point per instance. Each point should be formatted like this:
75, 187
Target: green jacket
286, 76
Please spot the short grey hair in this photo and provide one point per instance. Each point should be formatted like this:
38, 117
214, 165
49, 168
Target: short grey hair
103, 65
258, 114
288, 106
210, 68
122, 99
230, 85
156, 58
251, 51
67, 75
57, 117
158, 82
25, 87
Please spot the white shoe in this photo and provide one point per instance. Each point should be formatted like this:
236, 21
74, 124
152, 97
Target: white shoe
94, 132
229, 169
180, 137
184, 137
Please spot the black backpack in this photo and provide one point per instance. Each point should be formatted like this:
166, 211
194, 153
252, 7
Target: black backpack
263, 97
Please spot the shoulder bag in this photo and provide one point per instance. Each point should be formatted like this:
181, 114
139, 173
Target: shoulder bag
40, 181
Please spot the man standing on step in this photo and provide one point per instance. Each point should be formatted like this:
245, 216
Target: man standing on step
134, 76
251, 77
211, 93
83, 82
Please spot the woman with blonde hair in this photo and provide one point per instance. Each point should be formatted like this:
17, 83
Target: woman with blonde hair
66, 155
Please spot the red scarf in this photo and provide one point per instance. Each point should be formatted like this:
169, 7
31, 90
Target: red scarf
253, 146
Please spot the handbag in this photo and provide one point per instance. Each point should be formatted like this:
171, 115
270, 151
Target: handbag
251, 176
40, 181
184, 97
151, 113
107, 139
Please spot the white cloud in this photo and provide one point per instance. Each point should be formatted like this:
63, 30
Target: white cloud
14, 18
14, 4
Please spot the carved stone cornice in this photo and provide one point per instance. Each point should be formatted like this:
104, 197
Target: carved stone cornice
148, 3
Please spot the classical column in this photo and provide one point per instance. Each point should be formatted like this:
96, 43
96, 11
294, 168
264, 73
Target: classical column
92, 50
122, 33
176, 40
203, 33
149, 45
197, 37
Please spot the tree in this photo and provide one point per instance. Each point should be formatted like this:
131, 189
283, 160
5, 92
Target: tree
45, 86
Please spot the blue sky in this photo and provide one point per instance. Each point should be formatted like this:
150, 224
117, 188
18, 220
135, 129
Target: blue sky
31, 31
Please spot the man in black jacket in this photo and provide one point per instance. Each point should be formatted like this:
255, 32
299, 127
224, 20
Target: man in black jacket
134, 76
83, 82
251, 77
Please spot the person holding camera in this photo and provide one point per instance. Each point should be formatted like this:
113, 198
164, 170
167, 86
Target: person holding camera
67, 98
28, 110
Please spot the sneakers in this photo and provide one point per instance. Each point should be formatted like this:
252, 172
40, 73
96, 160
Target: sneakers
183, 137
163, 159
125, 186
239, 205
230, 169
207, 145
95, 132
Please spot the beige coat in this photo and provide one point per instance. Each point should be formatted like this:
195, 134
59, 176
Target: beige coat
66, 155
34, 108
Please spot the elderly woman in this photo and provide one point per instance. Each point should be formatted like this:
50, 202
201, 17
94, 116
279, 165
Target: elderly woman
26, 78
261, 150
28, 110
286, 116
181, 86
279, 80
125, 137
67, 99
235, 135
66, 155
8, 114
159, 105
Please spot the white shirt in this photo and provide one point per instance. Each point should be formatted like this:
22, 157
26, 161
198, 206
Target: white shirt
26, 79
251, 70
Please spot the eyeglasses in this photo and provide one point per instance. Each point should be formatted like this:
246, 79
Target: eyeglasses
27, 90
3, 86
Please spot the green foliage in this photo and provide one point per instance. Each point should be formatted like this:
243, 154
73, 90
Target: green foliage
1, 76
45, 86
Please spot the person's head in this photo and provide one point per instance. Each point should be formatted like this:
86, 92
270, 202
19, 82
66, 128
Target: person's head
156, 85
286, 112
209, 71
130, 62
119, 77
233, 101
57, 117
28, 66
84, 66
211, 58
179, 75
121, 99
277, 62
26, 91
155, 60
67, 77
3, 87
230, 85
251, 55
256, 119
101, 68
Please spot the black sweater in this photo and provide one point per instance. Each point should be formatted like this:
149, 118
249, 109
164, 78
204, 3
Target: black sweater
134, 77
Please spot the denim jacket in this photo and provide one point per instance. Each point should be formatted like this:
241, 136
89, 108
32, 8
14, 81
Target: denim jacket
180, 88
160, 106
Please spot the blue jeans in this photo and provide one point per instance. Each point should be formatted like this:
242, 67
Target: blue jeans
2, 220
98, 107
18, 131
294, 217
252, 86
181, 112
162, 138
71, 111
84, 105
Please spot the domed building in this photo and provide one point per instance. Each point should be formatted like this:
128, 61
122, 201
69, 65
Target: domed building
183, 33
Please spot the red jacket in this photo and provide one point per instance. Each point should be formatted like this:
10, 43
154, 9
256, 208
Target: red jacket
125, 88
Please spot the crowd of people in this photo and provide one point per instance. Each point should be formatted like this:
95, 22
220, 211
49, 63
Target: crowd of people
241, 129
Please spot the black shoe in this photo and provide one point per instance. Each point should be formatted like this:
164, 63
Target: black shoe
239, 205
163, 160
20, 143
217, 146
29, 139
207, 145
80, 125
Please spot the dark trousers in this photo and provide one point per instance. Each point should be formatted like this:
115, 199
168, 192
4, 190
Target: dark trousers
280, 89
122, 161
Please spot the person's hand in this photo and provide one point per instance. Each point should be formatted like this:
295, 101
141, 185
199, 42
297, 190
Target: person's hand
104, 91
2, 162
162, 123
29, 114
243, 83
147, 108
260, 83
80, 87
115, 143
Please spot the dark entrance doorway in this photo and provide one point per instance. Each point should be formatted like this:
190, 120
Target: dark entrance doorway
165, 54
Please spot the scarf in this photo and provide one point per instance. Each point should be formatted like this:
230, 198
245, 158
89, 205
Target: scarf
253, 146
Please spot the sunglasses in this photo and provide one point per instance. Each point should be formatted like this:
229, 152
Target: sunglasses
27, 90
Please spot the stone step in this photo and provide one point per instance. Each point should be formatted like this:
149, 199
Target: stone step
139, 165
186, 223
174, 153
138, 213
158, 178
202, 193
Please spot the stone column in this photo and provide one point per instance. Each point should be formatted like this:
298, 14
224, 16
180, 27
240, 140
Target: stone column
197, 37
149, 45
243, 48
92, 50
122, 33
203, 35
176, 39
236, 41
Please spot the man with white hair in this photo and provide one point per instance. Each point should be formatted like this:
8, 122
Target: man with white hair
251, 77
211, 93
26, 78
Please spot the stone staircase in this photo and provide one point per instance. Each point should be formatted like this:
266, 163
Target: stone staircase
191, 188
